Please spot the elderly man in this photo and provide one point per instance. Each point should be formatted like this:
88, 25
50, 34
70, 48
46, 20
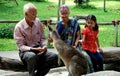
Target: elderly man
30, 39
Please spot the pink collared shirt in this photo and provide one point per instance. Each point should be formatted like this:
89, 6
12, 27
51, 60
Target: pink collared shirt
27, 37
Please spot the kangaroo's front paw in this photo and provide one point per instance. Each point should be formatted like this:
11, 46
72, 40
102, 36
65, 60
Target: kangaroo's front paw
59, 62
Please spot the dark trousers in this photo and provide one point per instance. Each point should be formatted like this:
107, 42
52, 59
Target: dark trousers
97, 60
38, 65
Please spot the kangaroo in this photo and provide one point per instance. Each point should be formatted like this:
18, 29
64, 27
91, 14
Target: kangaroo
75, 62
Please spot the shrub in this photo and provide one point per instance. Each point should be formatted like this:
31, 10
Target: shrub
40, 0
6, 32
36, 0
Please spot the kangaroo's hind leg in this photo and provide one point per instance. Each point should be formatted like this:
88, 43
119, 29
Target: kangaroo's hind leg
75, 69
69, 74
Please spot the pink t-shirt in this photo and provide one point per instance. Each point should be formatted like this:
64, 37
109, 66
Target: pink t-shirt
90, 40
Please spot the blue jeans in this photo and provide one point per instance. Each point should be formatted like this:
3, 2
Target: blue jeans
90, 68
38, 65
97, 60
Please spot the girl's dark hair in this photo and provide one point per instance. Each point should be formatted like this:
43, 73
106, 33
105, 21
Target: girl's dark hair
92, 17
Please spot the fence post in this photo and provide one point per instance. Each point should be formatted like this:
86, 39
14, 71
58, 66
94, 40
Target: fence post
59, 3
104, 5
63, 2
116, 23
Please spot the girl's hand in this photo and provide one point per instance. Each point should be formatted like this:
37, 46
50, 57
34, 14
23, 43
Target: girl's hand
101, 50
75, 46
80, 42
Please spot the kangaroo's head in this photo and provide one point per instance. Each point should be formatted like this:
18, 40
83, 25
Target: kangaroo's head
50, 29
53, 33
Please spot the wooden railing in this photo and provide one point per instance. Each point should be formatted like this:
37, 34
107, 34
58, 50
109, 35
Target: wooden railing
114, 22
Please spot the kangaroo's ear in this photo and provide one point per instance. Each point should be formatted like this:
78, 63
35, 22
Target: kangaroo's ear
47, 22
50, 29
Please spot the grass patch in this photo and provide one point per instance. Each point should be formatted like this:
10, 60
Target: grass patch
7, 45
106, 38
48, 10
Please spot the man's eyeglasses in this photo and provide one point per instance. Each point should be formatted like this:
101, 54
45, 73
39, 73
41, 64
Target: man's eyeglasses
32, 15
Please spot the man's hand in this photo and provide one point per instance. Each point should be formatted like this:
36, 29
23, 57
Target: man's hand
42, 50
41, 53
39, 50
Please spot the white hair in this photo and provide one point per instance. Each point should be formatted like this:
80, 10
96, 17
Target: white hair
64, 7
27, 7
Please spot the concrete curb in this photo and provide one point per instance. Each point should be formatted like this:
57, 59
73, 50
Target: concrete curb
61, 71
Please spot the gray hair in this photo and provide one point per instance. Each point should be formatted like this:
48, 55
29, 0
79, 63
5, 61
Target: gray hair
64, 7
27, 7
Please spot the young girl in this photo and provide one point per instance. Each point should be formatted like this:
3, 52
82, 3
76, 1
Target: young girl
90, 42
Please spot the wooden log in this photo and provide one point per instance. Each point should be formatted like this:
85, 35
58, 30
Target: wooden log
111, 57
111, 54
11, 64
111, 60
15, 64
113, 66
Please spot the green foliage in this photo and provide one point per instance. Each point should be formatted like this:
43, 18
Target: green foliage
106, 37
6, 32
86, 6
39, 0
7, 45
79, 2
36, 0
48, 9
